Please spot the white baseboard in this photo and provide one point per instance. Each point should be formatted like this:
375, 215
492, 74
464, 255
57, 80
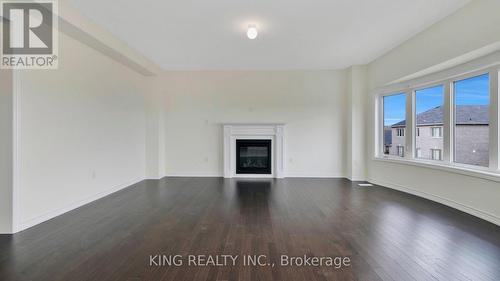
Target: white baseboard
54, 213
451, 203
332, 176
321, 176
194, 176
155, 178
356, 178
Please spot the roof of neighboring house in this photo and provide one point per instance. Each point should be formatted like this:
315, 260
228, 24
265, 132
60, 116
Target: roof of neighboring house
465, 115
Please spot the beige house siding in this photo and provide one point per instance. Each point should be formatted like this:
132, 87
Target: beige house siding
471, 145
426, 142
397, 141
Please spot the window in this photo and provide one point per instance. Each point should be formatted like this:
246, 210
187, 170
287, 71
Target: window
437, 132
394, 124
450, 120
429, 104
437, 154
401, 151
419, 153
471, 121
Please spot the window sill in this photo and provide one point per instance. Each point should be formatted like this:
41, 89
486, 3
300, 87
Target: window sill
482, 173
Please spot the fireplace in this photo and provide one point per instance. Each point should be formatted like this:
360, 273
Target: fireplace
272, 135
253, 156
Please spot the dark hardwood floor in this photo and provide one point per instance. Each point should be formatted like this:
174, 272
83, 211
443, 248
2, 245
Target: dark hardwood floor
387, 235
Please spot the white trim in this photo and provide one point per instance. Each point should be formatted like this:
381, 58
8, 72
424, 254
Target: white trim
451, 203
379, 126
320, 176
440, 129
187, 175
273, 132
293, 175
449, 78
16, 92
448, 120
154, 178
328, 176
410, 126
494, 119
69, 207
354, 179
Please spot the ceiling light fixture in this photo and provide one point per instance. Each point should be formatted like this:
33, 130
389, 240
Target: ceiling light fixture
252, 31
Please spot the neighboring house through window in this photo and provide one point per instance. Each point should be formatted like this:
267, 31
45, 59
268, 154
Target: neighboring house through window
429, 104
465, 113
401, 151
419, 153
472, 101
437, 132
394, 115
437, 154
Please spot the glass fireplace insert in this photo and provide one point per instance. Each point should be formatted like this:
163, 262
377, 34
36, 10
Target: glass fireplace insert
253, 156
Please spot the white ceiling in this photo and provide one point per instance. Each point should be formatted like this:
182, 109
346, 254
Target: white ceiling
293, 34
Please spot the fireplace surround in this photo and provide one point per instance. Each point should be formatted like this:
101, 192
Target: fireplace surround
262, 146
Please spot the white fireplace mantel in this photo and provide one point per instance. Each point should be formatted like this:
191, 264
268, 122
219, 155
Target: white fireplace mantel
273, 132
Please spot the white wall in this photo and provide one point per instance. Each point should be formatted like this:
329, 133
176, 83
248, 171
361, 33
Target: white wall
155, 150
81, 132
6, 151
356, 127
94, 126
311, 103
473, 27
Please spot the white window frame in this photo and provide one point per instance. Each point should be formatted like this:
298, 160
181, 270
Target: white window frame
440, 154
379, 111
447, 78
402, 153
440, 129
414, 110
452, 123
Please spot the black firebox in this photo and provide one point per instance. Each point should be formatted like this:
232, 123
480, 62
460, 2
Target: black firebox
253, 156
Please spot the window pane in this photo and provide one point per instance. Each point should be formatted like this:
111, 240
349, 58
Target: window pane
472, 100
429, 115
437, 154
394, 124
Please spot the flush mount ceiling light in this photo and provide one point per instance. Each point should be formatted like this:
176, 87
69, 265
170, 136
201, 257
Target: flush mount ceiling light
252, 31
